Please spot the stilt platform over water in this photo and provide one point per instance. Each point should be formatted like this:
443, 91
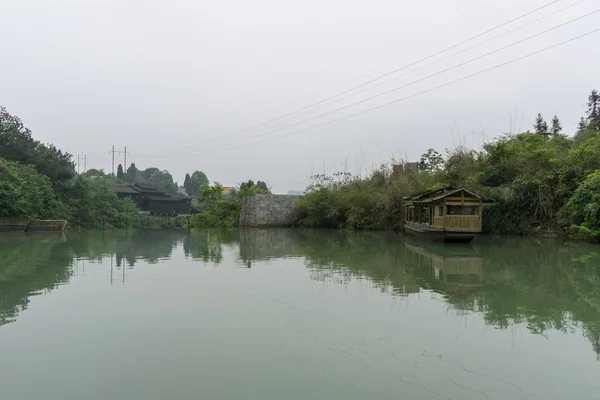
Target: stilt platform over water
448, 214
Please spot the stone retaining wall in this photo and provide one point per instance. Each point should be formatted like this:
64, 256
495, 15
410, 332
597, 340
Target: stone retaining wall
13, 224
33, 225
262, 210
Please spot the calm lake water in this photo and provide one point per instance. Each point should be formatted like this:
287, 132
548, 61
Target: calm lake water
296, 314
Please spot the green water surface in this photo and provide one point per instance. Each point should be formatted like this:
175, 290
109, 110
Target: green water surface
296, 314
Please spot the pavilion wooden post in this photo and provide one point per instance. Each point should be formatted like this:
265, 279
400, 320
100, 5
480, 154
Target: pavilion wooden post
444, 214
480, 214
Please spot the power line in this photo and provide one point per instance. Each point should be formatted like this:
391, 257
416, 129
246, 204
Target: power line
459, 52
419, 93
365, 83
413, 82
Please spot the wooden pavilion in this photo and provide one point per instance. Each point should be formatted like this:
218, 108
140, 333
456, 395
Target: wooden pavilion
446, 214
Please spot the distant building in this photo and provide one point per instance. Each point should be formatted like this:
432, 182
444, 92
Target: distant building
228, 191
295, 193
404, 168
152, 201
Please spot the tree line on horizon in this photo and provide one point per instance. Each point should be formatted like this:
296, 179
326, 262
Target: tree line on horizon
40, 181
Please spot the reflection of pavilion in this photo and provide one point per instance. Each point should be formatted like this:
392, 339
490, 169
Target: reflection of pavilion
454, 268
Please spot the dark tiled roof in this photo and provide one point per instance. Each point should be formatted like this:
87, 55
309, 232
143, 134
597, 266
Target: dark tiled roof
166, 198
179, 196
146, 189
123, 189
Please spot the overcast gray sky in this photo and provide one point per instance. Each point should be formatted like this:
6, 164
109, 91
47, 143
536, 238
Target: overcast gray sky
181, 82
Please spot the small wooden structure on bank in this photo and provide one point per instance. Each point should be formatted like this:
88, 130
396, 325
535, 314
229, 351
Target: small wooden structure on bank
446, 214
31, 225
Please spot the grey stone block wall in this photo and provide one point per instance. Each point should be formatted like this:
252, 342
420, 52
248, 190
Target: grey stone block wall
269, 210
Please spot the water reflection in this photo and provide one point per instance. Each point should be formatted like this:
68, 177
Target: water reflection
543, 285
30, 264
446, 268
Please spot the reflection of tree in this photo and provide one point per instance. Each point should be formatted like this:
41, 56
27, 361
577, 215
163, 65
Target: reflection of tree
341, 256
127, 247
207, 244
29, 266
36, 263
539, 284
508, 281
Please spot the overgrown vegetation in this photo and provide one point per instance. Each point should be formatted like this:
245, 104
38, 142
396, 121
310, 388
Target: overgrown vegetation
219, 211
541, 180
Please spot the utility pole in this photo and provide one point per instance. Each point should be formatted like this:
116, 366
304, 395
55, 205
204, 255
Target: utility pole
113, 151
85, 163
121, 152
78, 161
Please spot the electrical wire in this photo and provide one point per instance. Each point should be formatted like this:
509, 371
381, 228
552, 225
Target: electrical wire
457, 53
360, 85
408, 84
413, 95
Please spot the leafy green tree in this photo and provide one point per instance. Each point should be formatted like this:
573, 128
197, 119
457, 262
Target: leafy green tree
120, 174
584, 206
25, 193
91, 201
17, 144
144, 175
162, 180
540, 127
94, 172
431, 161
197, 180
218, 211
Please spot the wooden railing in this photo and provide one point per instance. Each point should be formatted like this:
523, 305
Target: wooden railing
466, 222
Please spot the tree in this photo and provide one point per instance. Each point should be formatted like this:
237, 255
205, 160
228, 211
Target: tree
262, 185
187, 182
27, 194
556, 128
161, 180
584, 206
94, 172
197, 180
120, 173
540, 127
582, 125
593, 111
132, 173
431, 161
17, 144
